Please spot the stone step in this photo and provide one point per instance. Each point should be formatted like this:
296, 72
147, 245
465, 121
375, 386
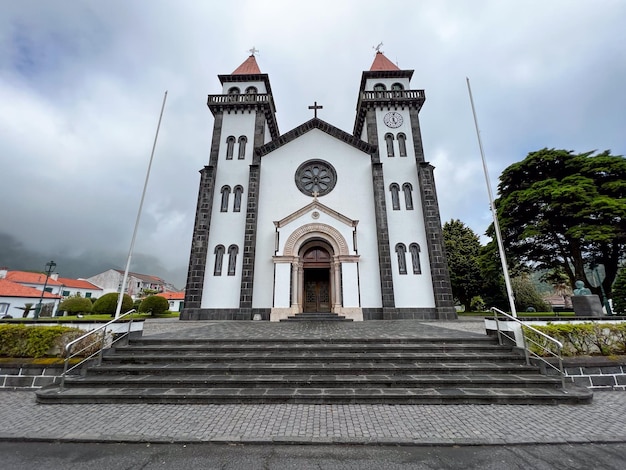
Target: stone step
310, 356
235, 395
300, 348
298, 341
314, 381
317, 368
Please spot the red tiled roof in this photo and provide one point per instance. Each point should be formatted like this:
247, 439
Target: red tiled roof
249, 67
24, 277
13, 289
172, 295
78, 283
382, 63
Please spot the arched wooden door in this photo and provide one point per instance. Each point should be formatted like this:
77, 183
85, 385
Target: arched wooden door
317, 295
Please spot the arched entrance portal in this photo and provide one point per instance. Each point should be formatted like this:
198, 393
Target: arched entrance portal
316, 263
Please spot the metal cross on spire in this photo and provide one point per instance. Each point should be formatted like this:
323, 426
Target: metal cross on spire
315, 107
377, 48
254, 51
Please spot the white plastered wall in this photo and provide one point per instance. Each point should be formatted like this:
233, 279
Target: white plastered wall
352, 196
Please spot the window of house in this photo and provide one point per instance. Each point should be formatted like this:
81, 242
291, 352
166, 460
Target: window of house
242, 147
408, 196
4, 308
251, 90
402, 144
48, 289
88, 295
238, 191
219, 257
225, 194
230, 147
65, 293
401, 252
397, 86
380, 87
232, 259
395, 196
414, 248
234, 91
389, 141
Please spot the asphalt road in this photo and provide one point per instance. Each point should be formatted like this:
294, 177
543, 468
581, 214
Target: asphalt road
87, 456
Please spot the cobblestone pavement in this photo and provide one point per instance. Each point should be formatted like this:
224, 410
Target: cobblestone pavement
602, 421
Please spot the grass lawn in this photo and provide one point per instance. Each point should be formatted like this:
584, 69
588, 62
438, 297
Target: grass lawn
88, 318
519, 314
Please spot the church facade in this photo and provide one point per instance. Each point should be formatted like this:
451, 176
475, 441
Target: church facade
317, 219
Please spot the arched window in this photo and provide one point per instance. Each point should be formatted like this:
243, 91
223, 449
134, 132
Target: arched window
251, 90
401, 251
380, 87
408, 196
230, 147
234, 91
238, 191
395, 196
414, 248
225, 194
242, 147
219, 256
402, 144
232, 259
389, 141
397, 86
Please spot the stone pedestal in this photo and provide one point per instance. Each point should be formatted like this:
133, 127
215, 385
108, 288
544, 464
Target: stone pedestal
587, 306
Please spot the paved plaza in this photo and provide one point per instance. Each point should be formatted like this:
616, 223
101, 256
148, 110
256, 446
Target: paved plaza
602, 421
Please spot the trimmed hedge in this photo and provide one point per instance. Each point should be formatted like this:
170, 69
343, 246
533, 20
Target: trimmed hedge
155, 304
75, 305
35, 341
107, 304
582, 339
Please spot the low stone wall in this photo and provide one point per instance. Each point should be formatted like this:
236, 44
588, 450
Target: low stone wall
28, 376
597, 373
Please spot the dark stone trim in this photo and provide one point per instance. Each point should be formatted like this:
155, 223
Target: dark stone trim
434, 236
372, 313
380, 210
402, 314
249, 245
224, 314
202, 224
316, 123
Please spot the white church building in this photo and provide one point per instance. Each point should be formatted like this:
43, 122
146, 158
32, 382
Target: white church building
317, 219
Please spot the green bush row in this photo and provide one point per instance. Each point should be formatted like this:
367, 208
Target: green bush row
582, 339
35, 341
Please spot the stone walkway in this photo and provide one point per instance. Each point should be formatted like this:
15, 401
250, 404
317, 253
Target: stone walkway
602, 421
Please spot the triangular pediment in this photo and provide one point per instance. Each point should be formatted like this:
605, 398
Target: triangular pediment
323, 126
312, 207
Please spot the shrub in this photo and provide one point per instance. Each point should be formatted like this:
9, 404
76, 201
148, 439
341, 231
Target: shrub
477, 304
154, 304
76, 305
619, 293
583, 339
107, 304
35, 341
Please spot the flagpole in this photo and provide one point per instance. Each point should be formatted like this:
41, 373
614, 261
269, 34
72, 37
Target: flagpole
143, 195
496, 225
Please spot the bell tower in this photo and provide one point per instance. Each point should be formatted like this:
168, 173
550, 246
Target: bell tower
221, 266
414, 274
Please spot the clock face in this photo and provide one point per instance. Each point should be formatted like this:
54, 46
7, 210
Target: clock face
393, 119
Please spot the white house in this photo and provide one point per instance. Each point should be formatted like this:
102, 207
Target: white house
79, 287
317, 219
175, 300
14, 297
137, 285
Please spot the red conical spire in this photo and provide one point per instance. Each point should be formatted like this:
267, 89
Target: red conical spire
249, 67
382, 63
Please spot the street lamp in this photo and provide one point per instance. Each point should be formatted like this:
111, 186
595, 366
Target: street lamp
49, 268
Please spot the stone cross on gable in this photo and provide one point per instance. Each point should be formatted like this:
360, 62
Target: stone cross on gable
315, 194
315, 107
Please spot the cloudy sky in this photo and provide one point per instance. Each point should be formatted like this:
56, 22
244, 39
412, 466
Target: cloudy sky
81, 86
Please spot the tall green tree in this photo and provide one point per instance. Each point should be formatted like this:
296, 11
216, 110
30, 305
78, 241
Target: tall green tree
558, 209
462, 250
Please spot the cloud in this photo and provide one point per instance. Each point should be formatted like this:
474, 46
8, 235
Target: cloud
81, 86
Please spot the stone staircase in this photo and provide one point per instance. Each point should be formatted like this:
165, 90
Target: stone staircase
311, 316
473, 370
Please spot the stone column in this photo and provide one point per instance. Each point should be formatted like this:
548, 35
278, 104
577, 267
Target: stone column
300, 287
294, 285
336, 285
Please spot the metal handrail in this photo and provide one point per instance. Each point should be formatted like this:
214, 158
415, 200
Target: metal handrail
527, 351
70, 345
